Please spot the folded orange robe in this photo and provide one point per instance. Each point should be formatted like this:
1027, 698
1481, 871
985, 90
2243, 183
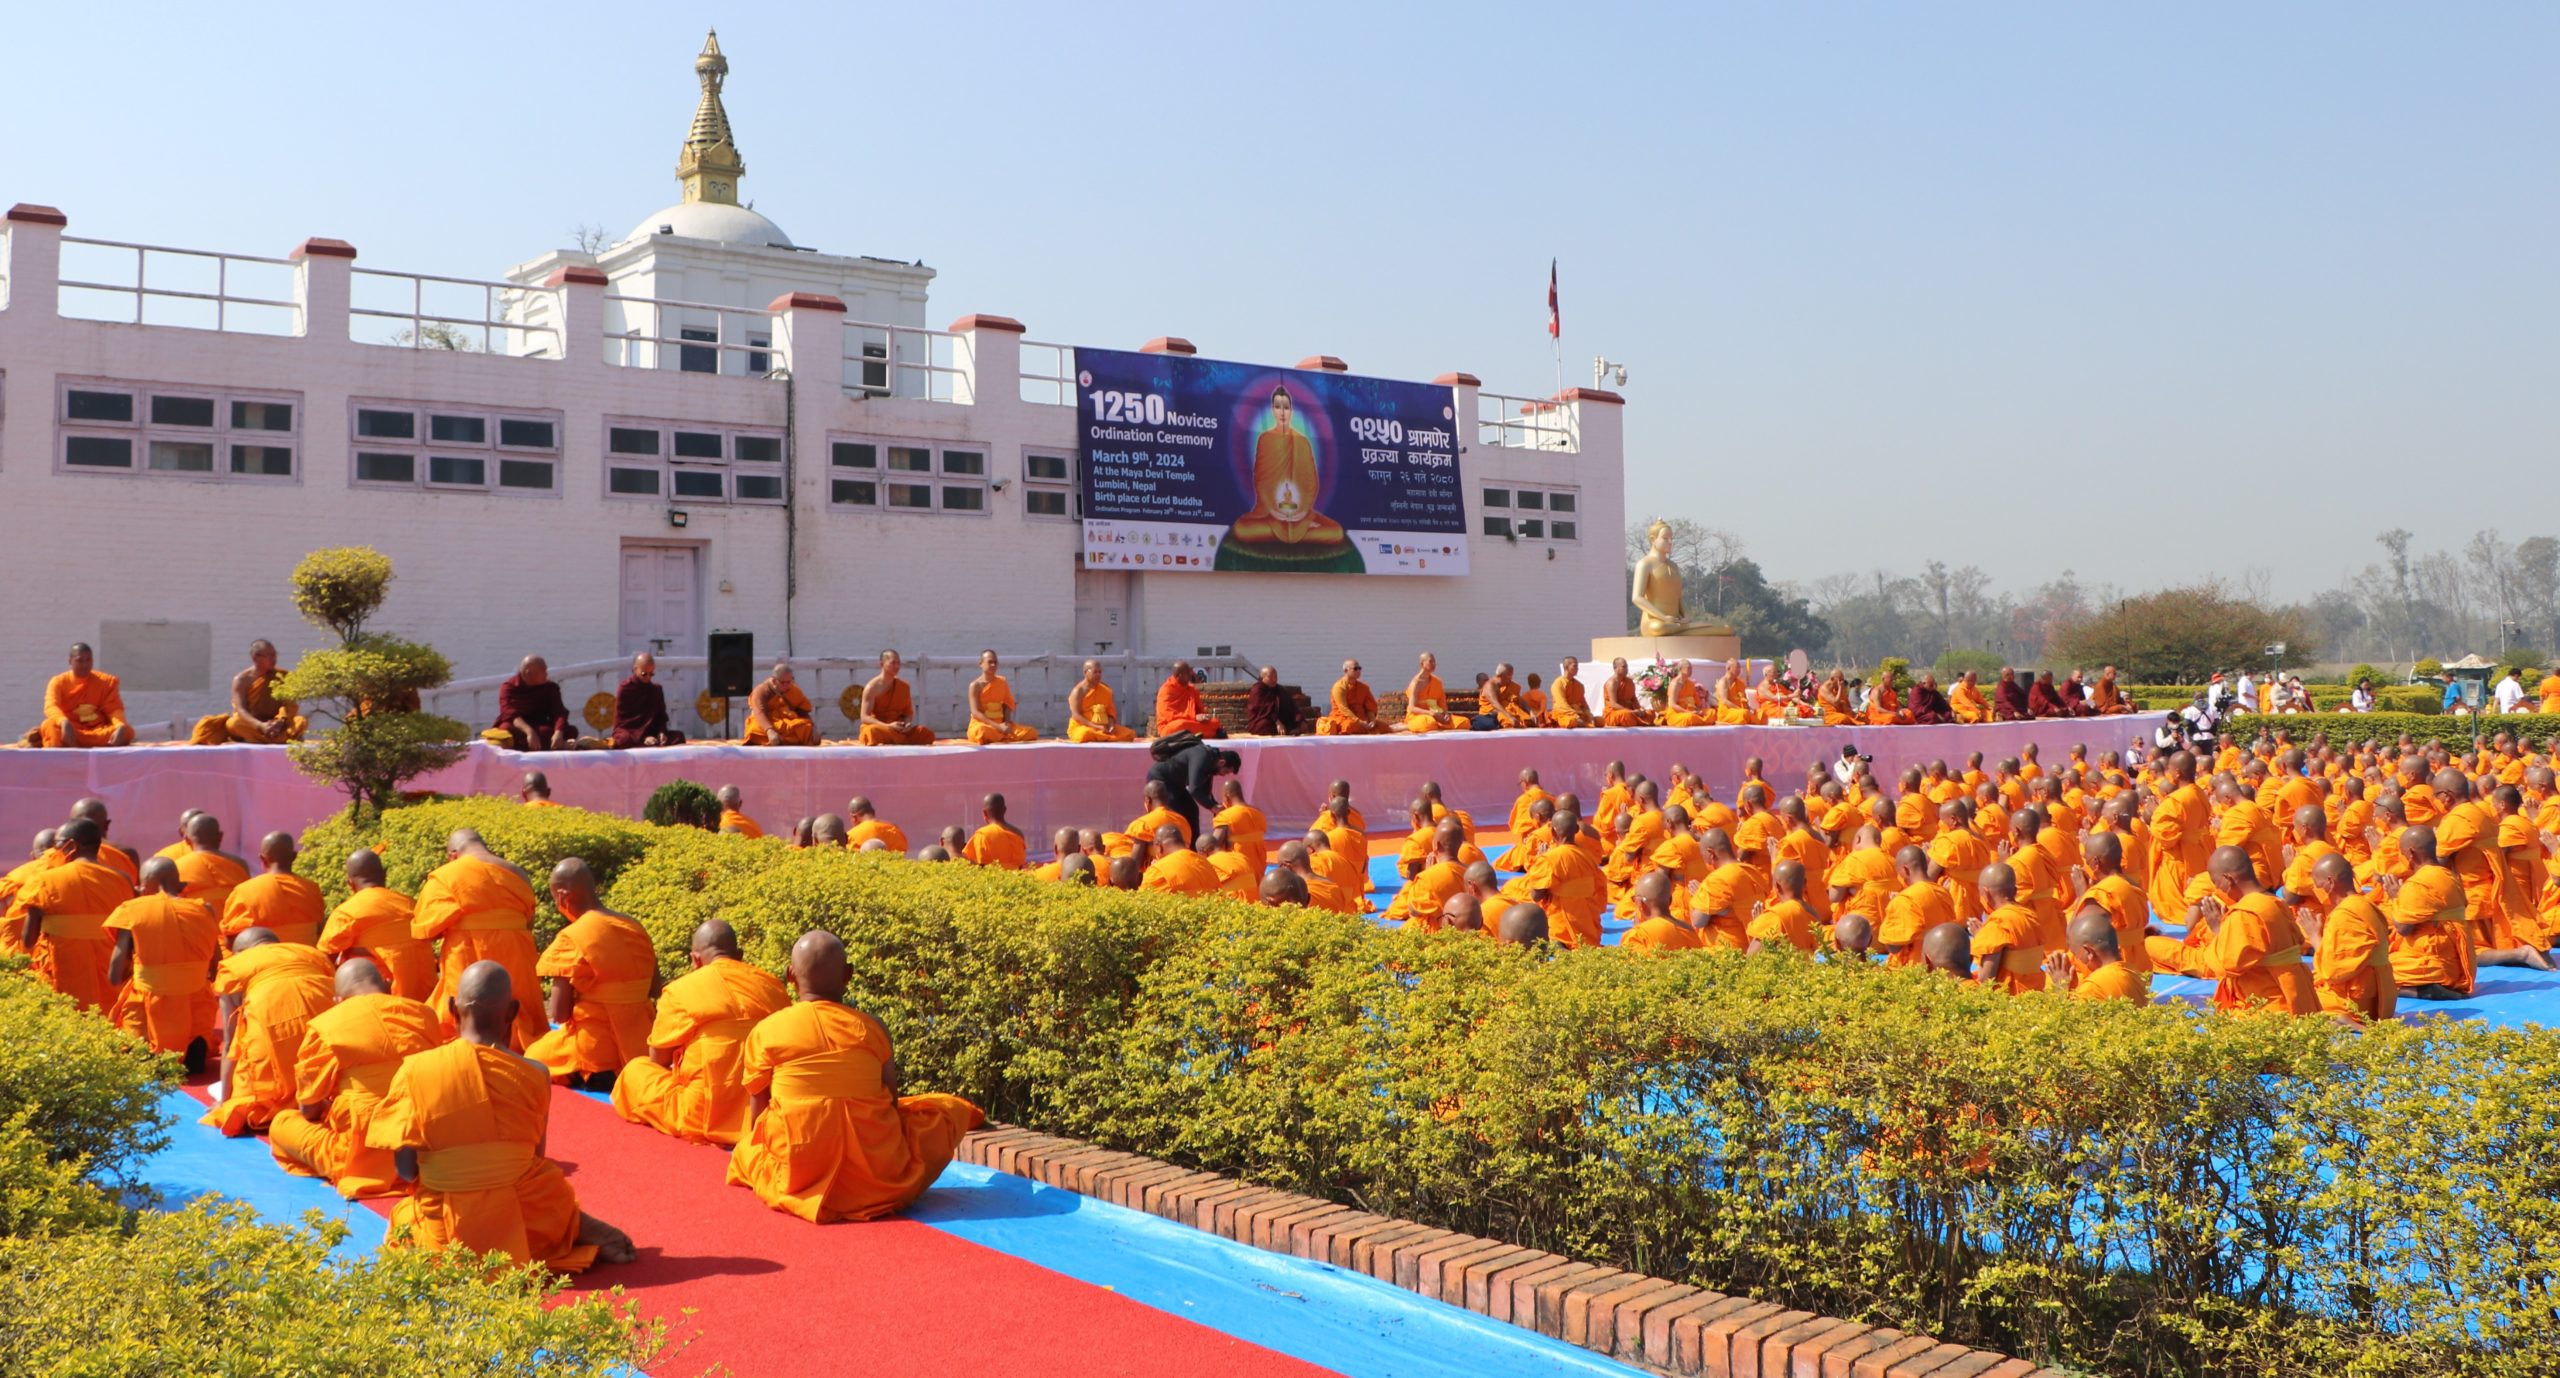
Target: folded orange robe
350, 1052
897, 704
1100, 707
2439, 952
476, 1115
264, 707
376, 922
890, 834
281, 902
611, 962
1968, 702
833, 1143
281, 986
704, 1015
996, 701
82, 710
999, 846
74, 951
732, 821
169, 1003
482, 912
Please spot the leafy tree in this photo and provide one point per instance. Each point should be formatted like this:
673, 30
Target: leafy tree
2180, 636
1770, 621
1953, 662
683, 803
381, 740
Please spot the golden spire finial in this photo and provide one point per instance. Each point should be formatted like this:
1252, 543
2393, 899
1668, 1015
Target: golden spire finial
710, 166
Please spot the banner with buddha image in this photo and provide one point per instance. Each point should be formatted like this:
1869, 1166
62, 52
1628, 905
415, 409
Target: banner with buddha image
1199, 465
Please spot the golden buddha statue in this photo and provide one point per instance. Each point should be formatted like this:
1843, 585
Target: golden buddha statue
1656, 592
1284, 490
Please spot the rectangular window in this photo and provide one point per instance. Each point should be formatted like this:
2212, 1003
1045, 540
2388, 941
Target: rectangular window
964, 463
1044, 468
88, 404
1531, 500
637, 470
957, 499
632, 483
1497, 526
1563, 531
747, 487
526, 473
139, 429
1533, 528
914, 497
181, 411
963, 470
757, 449
409, 445
910, 459
1560, 502
98, 451
266, 461
1497, 497
458, 430
691, 359
631, 440
699, 483
1048, 485
760, 363
262, 416
849, 454
386, 425
1044, 502
517, 433
1556, 509
373, 466
848, 492
698, 445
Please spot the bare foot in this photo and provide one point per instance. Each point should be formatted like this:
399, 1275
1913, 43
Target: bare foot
612, 1245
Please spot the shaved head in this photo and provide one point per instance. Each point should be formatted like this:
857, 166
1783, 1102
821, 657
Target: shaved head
818, 967
161, 874
1284, 886
359, 976
363, 868
1947, 948
2092, 927
260, 937
1464, 913
1854, 934
1522, 924
715, 939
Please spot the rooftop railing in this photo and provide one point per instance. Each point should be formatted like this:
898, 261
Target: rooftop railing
1525, 423
197, 289
1048, 374
689, 336
466, 315
905, 361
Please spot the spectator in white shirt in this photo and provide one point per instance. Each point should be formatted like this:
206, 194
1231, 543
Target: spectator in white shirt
2361, 701
2510, 693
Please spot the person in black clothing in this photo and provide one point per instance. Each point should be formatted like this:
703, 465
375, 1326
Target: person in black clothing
1189, 776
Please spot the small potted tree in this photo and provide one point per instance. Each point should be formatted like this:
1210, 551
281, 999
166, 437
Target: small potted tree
370, 683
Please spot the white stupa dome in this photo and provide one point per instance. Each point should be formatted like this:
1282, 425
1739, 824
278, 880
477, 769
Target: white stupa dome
715, 221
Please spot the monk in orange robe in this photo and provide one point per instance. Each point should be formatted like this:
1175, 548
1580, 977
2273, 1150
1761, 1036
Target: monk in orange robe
1722, 906
778, 711
1733, 698
375, 922
481, 907
466, 1121
1884, 706
1920, 905
1957, 856
64, 910
1178, 870
991, 707
2252, 949
257, 716
868, 826
1093, 712
166, 948
2126, 906
1502, 698
832, 1138
83, 707
2105, 698
692, 1083
1573, 704
2431, 944
996, 843
95, 810
1656, 928
1618, 706
1832, 700
1966, 698
889, 708
209, 872
1426, 700
1285, 487
2351, 943
603, 971
1246, 825
2549, 690
269, 992
2181, 836
276, 899
1568, 883
2009, 947
2092, 965
1179, 707
350, 1052
1785, 923
1353, 707
733, 816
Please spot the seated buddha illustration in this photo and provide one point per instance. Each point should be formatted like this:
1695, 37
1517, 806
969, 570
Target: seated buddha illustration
1283, 520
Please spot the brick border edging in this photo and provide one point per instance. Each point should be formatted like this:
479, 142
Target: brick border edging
1670, 1327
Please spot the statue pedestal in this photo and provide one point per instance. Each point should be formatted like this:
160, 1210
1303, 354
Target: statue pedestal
1707, 646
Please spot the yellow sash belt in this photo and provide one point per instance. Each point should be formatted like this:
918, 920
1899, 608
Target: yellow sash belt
371, 1078
827, 1076
2285, 957
2021, 961
474, 1167
75, 926
170, 978
490, 921
619, 992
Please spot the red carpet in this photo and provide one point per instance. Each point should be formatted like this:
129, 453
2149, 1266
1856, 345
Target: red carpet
772, 1294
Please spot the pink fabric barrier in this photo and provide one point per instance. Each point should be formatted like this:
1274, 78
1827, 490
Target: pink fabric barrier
255, 790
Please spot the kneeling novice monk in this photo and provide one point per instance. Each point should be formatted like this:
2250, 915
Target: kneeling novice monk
270, 990
165, 954
465, 1122
602, 970
833, 1139
691, 1083
350, 1052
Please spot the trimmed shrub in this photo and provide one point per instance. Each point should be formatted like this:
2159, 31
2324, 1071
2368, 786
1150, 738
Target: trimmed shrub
2428, 668
682, 804
1952, 664
2537, 729
89, 1093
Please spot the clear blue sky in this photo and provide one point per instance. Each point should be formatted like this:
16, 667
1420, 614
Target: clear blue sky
1986, 283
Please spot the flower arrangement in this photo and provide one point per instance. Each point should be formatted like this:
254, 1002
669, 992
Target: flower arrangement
1654, 682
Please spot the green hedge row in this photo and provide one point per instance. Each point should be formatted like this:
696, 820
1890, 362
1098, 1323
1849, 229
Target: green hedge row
2388, 698
2126, 1191
94, 1286
2540, 729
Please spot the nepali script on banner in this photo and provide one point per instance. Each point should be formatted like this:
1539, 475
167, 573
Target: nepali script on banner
1198, 465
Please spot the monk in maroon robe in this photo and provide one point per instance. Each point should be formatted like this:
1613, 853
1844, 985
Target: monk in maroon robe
530, 712
1929, 703
2009, 698
640, 708
2044, 700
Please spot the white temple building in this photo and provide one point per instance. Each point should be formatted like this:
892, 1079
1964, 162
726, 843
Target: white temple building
703, 426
